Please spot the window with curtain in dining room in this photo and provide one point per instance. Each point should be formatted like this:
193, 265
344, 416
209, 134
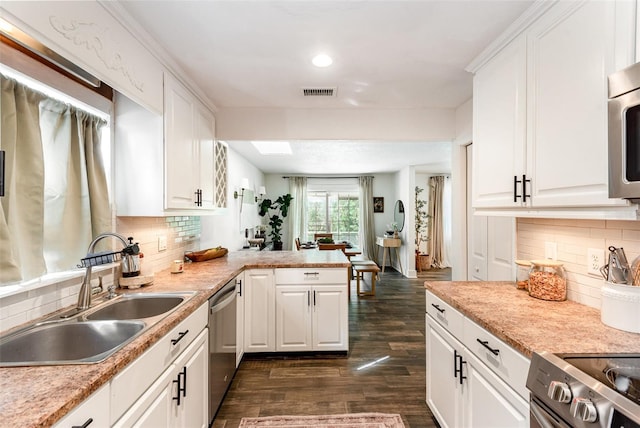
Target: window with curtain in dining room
333, 207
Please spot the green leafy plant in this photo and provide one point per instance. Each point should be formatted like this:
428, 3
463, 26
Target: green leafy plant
421, 219
277, 210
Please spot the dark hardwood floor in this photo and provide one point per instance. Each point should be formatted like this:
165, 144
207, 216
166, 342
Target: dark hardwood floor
386, 331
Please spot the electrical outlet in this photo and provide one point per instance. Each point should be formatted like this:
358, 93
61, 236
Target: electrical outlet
551, 250
162, 243
595, 260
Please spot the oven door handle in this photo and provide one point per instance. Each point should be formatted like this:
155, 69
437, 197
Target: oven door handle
543, 419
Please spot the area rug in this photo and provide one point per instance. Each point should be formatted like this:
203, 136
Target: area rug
353, 420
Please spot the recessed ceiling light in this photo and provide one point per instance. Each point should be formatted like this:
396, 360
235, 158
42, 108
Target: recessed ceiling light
322, 60
272, 147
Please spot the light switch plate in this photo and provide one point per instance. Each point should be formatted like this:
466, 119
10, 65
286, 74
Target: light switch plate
162, 243
550, 250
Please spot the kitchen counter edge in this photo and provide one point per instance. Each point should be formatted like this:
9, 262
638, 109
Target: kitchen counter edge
528, 324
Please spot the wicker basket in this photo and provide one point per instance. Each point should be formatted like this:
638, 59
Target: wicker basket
204, 255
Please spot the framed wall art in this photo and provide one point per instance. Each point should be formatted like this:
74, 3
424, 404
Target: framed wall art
378, 204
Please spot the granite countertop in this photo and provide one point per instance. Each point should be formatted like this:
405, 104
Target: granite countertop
529, 324
38, 396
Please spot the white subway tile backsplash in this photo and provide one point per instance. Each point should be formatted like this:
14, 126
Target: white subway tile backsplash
22, 307
574, 238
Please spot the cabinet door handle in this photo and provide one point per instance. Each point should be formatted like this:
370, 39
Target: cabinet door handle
180, 336
308, 298
184, 381
462, 376
515, 188
314, 297
457, 366
524, 188
239, 284
178, 389
84, 425
438, 308
182, 386
485, 343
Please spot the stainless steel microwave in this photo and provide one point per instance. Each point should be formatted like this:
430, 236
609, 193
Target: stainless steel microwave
624, 133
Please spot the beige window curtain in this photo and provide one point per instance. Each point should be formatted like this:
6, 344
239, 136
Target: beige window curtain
76, 192
436, 231
22, 213
367, 226
298, 209
56, 195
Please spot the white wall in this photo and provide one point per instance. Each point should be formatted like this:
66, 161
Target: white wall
228, 229
464, 136
335, 124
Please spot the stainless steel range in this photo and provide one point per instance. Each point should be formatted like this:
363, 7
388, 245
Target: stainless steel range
585, 390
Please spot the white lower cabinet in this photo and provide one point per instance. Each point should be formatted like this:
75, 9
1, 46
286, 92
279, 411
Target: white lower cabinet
180, 396
169, 383
489, 402
239, 318
92, 412
259, 311
291, 310
311, 318
468, 385
311, 310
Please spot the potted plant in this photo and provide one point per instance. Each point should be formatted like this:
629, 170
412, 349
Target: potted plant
421, 225
278, 208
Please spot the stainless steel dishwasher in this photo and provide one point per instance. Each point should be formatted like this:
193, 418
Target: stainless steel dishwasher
222, 344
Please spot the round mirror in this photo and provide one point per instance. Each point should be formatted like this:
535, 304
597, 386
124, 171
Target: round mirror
398, 215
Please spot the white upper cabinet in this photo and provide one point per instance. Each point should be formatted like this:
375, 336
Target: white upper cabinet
540, 109
189, 149
168, 165
499, 117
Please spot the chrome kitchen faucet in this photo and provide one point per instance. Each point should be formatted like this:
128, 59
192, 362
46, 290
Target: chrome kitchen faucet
84, 297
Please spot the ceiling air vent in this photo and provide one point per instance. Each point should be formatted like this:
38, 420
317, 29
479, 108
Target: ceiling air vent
319, 92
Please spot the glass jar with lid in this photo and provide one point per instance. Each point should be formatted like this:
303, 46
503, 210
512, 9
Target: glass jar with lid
547, 280
522, 274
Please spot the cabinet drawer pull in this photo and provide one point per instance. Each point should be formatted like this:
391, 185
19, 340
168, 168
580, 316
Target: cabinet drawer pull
312, 273
180, 336
84, 425
438, 308
485, 343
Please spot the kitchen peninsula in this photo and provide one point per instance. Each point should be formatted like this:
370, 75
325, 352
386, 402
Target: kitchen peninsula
39, 396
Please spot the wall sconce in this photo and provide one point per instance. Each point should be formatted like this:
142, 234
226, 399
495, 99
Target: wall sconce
243, 186
261, 192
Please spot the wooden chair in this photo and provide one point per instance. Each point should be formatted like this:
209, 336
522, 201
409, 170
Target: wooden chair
316, 236
298, 244
342, 247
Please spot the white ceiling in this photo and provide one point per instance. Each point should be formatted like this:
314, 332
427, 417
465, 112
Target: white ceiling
386, 55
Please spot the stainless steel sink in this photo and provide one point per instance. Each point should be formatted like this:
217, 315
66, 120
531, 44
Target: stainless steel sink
88, 336
67, 342
137, 306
